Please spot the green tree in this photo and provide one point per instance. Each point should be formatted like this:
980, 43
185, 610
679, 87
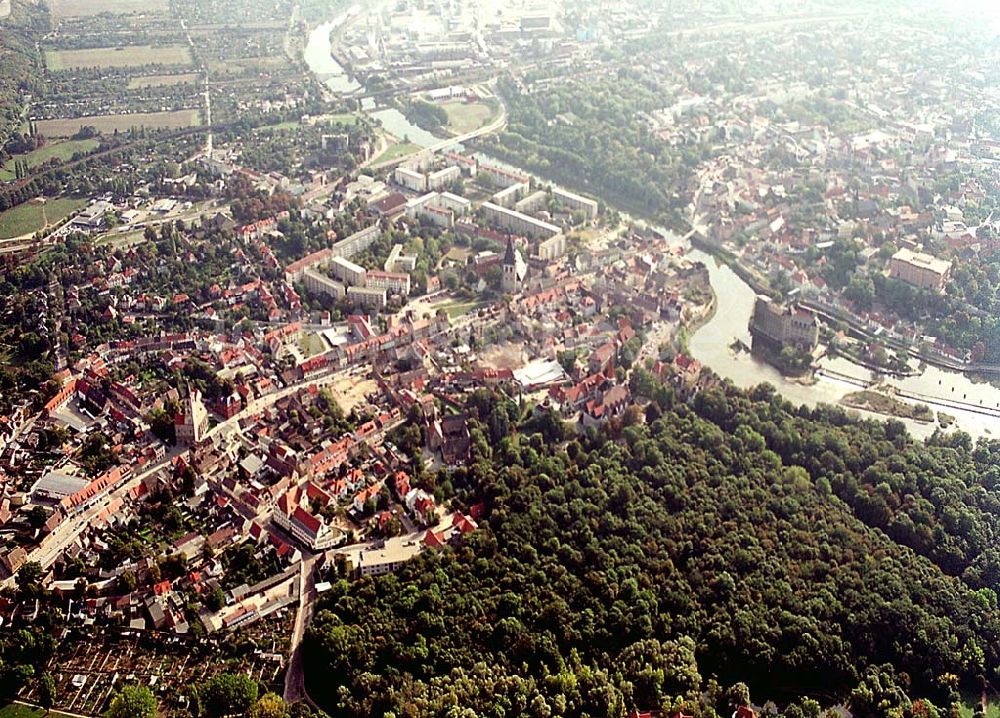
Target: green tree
227, 694
46, 691
133, 702
270, 705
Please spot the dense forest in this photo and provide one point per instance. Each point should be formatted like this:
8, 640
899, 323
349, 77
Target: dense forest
21, 68
733, 539
588, 134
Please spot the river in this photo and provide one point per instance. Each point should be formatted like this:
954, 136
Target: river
318, 57
396, 124
711, 346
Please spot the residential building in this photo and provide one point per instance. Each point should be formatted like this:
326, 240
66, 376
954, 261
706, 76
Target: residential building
348, 272
459, 205
411, 179
517, 223
391, 282
575, 202
443, 178
321, 284
370, 297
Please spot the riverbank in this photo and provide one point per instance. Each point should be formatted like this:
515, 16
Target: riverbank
691, 327
887, 405
729, 259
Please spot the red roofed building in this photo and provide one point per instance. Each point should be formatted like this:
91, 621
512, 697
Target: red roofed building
302, 525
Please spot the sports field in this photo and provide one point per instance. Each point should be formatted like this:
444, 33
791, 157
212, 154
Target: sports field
29, 218
81, 8
127, 56
60, 150
109, 123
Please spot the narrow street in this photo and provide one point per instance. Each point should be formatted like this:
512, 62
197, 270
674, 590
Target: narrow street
295, 689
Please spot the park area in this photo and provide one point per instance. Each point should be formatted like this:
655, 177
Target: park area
107, 124
63, 151
80, 8
397, 151
126, 56
28, 218
464, 117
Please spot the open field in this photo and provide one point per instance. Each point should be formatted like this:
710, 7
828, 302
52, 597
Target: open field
129, 56
459, 308
80, 8
16, 710
28, 218
966, 708
109, 123
244, 65
344, 118
137, 83
351, 392
510, 355
311, 344
465, 117
58, 150
397, 150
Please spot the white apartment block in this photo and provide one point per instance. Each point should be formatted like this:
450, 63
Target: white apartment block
367, 297
410, 179
348, 272
443, 178
321, 284
575, 202
391, 282
518, 223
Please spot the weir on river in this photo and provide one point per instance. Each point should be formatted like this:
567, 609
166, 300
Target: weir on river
711, 343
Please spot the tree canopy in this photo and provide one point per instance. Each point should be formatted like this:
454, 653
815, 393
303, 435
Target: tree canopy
736, 539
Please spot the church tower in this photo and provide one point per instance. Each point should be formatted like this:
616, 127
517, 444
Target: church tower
514, 270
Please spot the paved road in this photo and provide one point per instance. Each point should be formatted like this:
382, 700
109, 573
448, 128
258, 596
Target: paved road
295, 689
73, 526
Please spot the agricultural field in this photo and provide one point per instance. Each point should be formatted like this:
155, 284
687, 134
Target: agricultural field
83, 8
54, 150
29, 218
128, 56
107, 124
465, 117
139, 83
